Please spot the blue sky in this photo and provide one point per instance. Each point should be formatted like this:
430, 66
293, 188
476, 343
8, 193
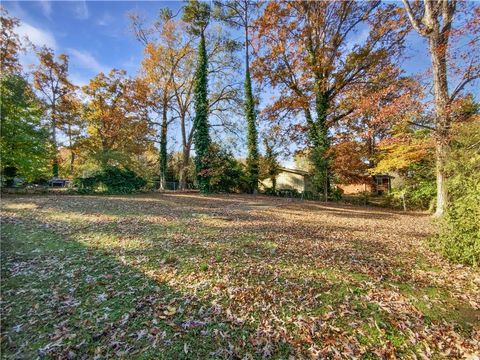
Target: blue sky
97, 37
95, 34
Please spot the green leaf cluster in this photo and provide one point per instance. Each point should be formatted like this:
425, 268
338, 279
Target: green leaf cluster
460, 227
24, 142
201, 136
112, 180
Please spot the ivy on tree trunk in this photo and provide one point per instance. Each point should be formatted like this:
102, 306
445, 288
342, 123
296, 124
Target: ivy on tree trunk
319, 143
252, 158
201, 137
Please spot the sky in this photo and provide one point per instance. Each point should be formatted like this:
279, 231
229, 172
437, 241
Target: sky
96, 35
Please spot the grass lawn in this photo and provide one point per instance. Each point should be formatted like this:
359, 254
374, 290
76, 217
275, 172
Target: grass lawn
173, 276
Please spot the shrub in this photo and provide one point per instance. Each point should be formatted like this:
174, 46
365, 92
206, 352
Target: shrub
225, 173
417, 194
270, 191
336, 194
422, 194
289, 193
460, 227
9, 172
292, 193
111, 180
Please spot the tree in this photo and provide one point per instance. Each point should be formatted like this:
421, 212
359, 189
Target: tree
269, 164
409, 152
171, 38
225, 173
24, 143
197, 15
460, 229
71, 124
50, 78
164, 54
349, 165
10, 45
238, 14
384, 100
305, 54
117, 133
434, 21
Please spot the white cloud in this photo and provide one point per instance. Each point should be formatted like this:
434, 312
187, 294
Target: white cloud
37, 36
79, 80
81, 9
132, 64
105, 20
46, 7
83, 59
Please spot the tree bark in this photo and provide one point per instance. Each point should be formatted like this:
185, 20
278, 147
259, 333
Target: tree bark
442, 120
163, 148
184, 168
438, 35
54, 142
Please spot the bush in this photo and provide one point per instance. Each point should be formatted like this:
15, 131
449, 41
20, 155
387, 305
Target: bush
270, 192
9, 172
289, 193
112, 180
460, 227
417, 195
422, 194
225, 173
292, 193
336, 194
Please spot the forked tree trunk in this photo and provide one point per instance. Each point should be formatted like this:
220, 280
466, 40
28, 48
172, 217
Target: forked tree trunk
437, 33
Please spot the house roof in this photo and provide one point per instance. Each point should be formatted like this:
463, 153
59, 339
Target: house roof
384, 175
294, 171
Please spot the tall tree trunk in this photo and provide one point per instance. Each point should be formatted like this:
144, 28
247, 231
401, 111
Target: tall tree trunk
163, 148
72, 154
54, 142
437, 32
252, 147
319, 142
321, 105
371, 150
72, 162
105, 154
201, 135
442, 119
184, 167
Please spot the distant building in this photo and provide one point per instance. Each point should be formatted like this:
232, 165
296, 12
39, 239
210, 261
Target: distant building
374, 184
300, 180
291, 179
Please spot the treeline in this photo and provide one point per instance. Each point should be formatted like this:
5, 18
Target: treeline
331, 76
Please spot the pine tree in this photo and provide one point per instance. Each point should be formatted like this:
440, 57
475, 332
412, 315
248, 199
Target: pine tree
271, 163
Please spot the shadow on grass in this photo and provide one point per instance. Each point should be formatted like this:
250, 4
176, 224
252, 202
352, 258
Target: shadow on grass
91, 265
61, 299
